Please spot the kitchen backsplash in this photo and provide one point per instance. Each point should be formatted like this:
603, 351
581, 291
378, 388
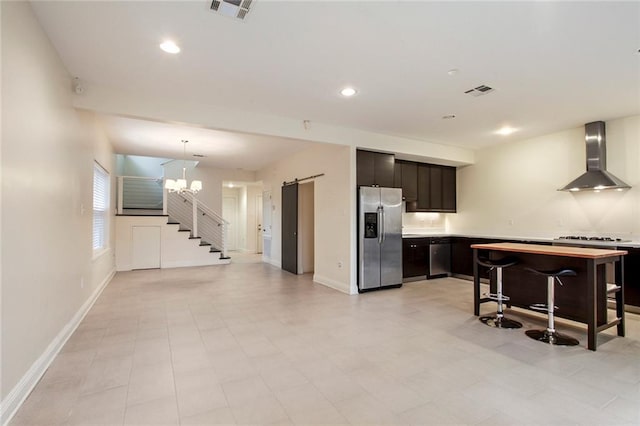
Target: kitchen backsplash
418, 223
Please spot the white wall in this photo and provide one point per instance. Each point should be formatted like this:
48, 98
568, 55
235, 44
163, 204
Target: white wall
176, 249
136, 165
334, 209
48, 272
512, 188
305, 228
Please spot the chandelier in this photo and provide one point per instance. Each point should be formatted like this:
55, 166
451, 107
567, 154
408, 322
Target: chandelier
180, 185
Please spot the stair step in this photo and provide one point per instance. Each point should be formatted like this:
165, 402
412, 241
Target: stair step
225, 257
204, 243
173, 223
194, 238
184, 230
214, 250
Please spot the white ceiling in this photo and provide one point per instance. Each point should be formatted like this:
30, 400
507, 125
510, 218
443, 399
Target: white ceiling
554, 65
224, 150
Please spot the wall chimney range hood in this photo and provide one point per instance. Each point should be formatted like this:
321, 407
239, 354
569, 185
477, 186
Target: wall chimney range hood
596, 177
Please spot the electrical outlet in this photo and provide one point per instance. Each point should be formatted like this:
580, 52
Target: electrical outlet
339, 264
81, 282
510, 222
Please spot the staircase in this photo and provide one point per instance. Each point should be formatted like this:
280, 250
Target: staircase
187, 232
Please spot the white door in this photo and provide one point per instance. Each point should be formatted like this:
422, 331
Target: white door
266, 213
259, 224
230, 214
145, 247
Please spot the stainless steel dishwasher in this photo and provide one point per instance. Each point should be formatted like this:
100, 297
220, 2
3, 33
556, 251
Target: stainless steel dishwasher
439, 258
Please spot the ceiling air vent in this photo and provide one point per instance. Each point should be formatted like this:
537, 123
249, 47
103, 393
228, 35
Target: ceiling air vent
480, 90
232, 8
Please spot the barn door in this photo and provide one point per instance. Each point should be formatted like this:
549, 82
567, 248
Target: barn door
290, 228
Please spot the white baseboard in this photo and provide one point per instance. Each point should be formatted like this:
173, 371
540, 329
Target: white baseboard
192, 263
272, 262
10, 405
328, 282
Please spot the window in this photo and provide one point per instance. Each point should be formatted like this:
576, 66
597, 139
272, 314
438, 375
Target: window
100, 206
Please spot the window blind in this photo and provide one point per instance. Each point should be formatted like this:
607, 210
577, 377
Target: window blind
100, 206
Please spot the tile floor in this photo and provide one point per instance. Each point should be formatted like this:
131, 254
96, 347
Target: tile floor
246, 343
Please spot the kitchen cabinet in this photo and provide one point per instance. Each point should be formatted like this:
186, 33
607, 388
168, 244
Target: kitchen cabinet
436, 189
406, 177
415, 255
462, 256
449, 189
632, 276
375, 168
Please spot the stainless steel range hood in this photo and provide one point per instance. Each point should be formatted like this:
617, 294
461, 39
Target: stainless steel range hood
597, 177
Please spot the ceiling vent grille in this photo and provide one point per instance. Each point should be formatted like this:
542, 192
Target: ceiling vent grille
480, 90
233, 8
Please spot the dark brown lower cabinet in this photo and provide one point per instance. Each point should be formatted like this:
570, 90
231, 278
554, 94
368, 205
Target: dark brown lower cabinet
462, 256
415, 255
632, 276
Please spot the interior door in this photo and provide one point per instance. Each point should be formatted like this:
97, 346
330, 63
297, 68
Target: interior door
259, 230
145, 247
290, 228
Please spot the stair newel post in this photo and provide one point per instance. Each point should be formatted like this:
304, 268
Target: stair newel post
120, 193
195, 217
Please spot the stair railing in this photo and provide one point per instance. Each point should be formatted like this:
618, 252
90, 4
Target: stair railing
137, 192
199, 218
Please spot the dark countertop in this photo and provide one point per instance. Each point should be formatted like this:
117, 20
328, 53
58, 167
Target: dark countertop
612, 244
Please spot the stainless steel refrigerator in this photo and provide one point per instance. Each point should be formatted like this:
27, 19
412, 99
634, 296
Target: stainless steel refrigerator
379, 238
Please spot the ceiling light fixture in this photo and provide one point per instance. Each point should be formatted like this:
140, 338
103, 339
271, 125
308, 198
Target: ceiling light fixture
180, 185
506, 131
170, 47
347, 92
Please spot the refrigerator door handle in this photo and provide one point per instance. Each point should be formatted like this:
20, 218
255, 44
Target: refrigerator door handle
381, 225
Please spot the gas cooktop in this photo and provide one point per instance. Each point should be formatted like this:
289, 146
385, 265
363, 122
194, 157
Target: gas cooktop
597, 239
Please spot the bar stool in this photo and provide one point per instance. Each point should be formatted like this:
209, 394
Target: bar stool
498, 320
550, 335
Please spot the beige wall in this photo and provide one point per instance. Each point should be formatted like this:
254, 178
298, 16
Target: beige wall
48, 149
334, 195
211, 178
512, 188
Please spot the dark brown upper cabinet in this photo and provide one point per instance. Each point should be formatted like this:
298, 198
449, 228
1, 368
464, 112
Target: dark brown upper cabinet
449, 189
406, 177
436, 189
374, 168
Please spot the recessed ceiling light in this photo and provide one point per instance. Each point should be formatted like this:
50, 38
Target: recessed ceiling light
170, 47
506, 131
453, 71
348, 92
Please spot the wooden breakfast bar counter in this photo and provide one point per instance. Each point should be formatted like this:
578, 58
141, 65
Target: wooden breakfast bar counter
582, 298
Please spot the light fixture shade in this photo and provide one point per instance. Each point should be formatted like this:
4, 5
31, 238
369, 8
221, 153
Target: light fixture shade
170, 184
181, 184
196, 185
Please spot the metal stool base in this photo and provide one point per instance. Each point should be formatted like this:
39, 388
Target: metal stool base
552, 338
500, 322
